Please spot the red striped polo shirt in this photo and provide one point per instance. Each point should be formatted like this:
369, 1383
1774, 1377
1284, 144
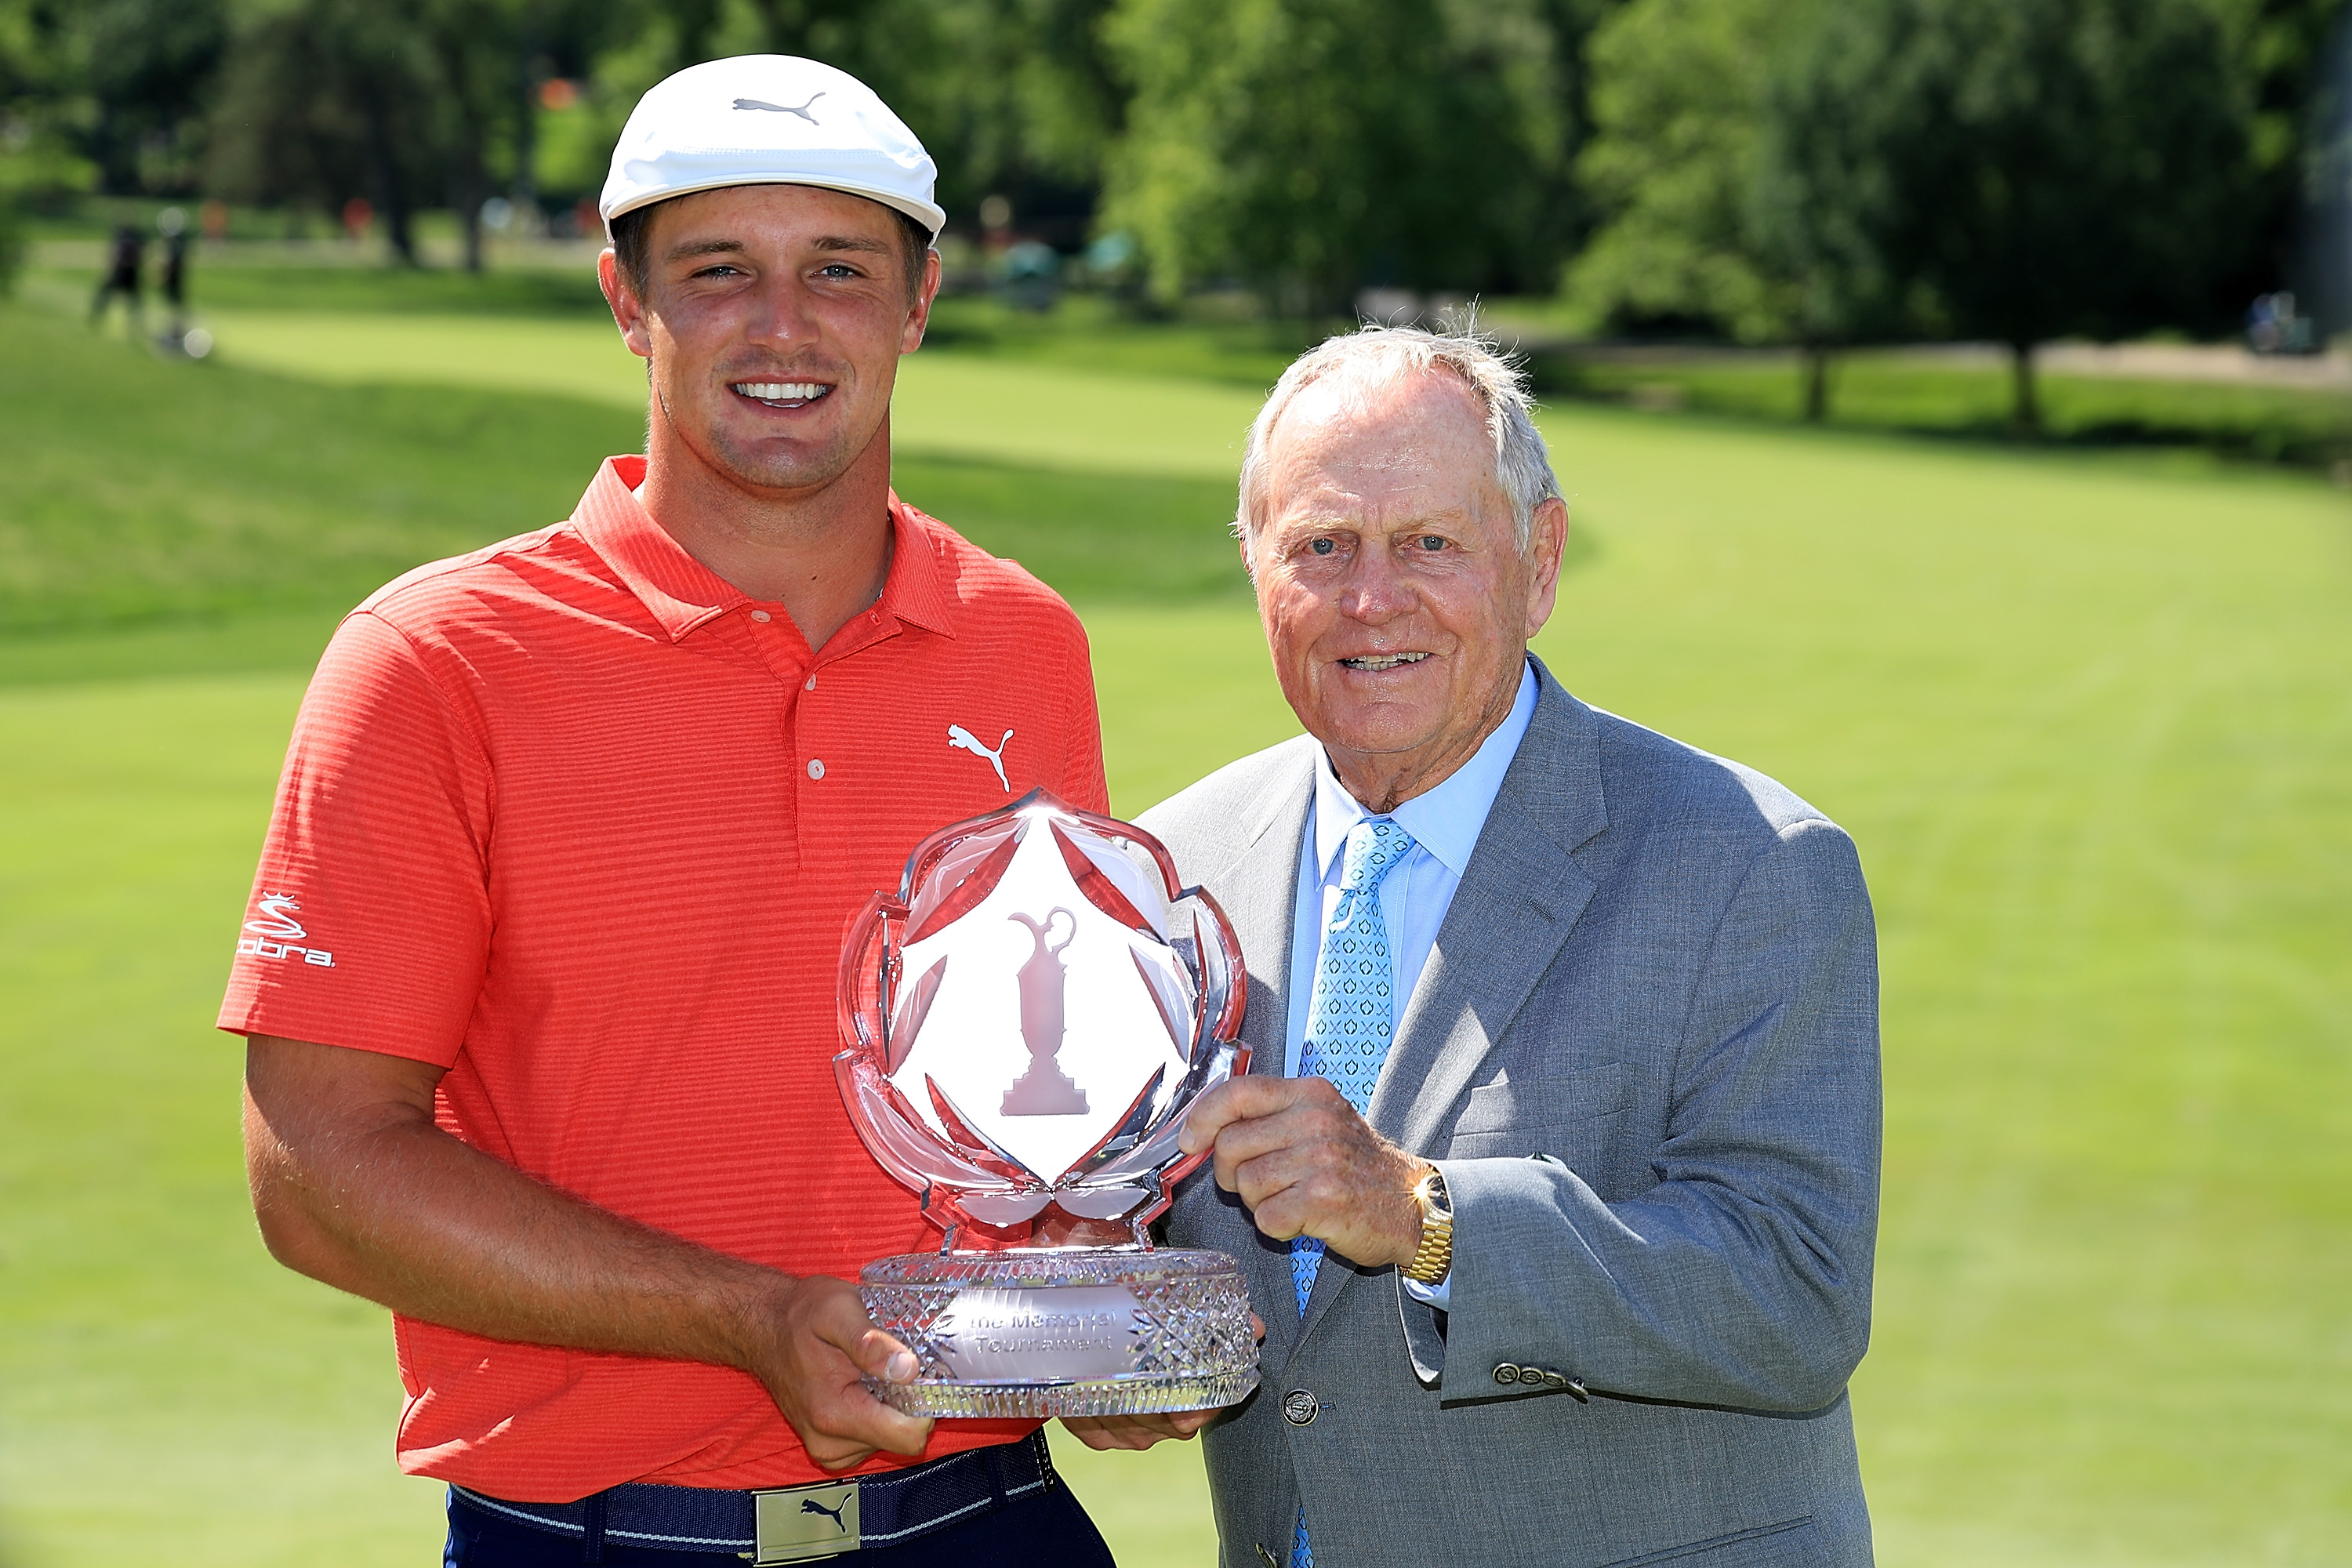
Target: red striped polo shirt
576, 820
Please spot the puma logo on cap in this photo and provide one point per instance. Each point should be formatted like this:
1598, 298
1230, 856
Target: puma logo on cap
782, 108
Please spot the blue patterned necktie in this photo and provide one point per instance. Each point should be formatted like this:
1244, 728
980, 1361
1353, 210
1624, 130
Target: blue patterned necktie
1351, 1017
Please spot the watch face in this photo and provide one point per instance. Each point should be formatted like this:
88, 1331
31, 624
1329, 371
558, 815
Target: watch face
1433, 1195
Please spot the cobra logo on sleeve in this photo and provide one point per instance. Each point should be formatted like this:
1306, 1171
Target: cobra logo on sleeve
273, 932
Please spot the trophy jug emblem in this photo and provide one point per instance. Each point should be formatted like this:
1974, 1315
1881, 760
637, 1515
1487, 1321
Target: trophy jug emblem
1044, 1089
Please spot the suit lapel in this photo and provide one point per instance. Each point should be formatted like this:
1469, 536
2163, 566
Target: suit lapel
1517, 900
1259, 893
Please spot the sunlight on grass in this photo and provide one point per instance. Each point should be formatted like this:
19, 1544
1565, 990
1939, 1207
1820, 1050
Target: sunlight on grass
244, 492
997, 409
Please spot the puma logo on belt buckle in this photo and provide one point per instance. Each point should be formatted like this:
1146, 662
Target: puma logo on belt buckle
799, 1524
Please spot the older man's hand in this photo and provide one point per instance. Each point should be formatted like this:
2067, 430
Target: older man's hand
1137, 1431
1143, 1431
1308, 1164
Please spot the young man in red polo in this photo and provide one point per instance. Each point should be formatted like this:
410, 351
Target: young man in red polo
539, 976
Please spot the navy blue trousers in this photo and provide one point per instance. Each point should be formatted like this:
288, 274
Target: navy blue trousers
1046, 1530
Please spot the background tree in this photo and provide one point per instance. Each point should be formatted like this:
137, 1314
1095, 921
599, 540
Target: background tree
2054, 167
1821, 200
2322, 266
1737, 195
42, 107
2280, 50
1821, 173
1815, 172
328, 99
480, 66
1312, 147
1026, 102
1675, 167
421, 107
146, 67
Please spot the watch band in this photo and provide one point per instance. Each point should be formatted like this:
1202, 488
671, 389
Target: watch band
1434, 1259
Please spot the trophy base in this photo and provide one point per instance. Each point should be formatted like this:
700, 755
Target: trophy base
1039, 1332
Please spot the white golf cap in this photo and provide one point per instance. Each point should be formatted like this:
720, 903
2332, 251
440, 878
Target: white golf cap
769, 120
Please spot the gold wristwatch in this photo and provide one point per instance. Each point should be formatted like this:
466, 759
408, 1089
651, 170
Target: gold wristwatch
1435, 1258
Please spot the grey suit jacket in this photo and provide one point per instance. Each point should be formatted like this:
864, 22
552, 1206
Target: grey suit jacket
1644, 1053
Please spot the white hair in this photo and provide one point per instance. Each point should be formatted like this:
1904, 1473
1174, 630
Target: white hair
1374, 357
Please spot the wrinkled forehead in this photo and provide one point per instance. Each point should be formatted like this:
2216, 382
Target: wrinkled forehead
1359, 430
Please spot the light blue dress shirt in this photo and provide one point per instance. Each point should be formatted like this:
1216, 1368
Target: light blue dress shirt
1444, 824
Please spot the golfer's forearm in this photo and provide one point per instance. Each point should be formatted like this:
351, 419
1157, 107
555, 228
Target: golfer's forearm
406, 1216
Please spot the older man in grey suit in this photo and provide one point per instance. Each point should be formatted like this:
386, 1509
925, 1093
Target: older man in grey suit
1556, 1175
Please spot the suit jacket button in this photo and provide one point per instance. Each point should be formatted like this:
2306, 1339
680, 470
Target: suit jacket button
1506, 1372
1577, 1388
1299, 1408
1553, 1379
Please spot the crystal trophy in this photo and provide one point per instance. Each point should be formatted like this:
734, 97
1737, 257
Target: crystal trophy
1027, 1021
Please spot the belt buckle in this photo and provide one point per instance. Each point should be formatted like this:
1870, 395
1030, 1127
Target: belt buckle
799, 1524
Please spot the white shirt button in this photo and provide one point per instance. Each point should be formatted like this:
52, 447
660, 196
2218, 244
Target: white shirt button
816, 769
809, 684
761, 616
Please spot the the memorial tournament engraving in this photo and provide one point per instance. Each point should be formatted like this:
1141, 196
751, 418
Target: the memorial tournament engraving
1081, 1332
1027, 1020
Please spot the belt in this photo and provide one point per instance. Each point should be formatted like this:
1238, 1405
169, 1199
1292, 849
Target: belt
790, 1524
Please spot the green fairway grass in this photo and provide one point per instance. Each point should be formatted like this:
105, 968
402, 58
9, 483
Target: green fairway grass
1046, 398
507, 327
1901, 390
145, 488
237, 492
2089, 718
1008, 410
569, 291
1084, 332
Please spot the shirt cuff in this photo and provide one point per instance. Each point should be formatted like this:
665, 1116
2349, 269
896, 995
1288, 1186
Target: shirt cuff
1435, 1295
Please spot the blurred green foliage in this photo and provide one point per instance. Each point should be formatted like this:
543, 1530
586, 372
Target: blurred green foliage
1677, 113
2011, 170
1817, 172
2036, 168
38, 161
1311, 147
424, 104
1705, 223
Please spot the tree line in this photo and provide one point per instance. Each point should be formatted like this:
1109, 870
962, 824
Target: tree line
1815, 173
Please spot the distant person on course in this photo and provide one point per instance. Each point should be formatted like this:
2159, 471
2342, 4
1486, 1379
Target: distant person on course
539, 974
125, 258
174, 225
